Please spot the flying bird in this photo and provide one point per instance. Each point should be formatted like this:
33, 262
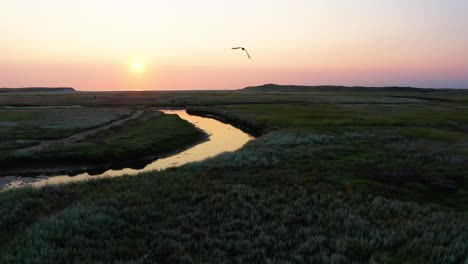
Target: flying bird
241, 48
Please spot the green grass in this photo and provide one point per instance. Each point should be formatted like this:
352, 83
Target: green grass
382, 149
22, 127
325, 115
150, 136
204, 98
335, 177
187, 216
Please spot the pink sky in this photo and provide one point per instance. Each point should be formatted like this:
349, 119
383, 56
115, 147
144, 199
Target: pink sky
92, 45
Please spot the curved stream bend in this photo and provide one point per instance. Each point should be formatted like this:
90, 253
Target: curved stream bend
222, 138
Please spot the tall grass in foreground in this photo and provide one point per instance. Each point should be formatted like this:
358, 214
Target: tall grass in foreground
242, 207
168, 221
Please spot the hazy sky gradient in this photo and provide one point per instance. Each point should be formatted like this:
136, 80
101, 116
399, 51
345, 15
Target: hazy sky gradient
91, 44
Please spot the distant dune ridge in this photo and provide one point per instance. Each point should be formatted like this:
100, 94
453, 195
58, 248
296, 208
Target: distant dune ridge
38, 89
328, 88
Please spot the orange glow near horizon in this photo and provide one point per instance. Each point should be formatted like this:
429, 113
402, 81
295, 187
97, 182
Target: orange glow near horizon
186, 44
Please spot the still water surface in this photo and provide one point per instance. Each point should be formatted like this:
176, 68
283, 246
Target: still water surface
222, 138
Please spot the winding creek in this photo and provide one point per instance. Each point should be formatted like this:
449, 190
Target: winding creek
222, 138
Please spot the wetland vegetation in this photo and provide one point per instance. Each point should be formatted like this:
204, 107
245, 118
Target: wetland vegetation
149, 135
336, 176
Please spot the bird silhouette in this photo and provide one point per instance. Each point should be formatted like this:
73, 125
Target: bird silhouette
242, 48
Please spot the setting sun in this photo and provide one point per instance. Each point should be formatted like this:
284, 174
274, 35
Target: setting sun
137, 67
299, 131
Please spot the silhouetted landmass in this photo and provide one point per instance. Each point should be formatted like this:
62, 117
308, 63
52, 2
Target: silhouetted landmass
328, 88
37, 90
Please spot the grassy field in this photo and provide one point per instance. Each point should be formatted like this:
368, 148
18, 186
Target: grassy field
206, 98
335, 177
25, 127
406, 152
151, 135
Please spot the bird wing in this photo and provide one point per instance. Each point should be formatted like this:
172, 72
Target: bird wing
248, 55
237, 48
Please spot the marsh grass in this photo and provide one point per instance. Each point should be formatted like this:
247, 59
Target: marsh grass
179, 216
25, 127
335, 177
136, 139
392, 155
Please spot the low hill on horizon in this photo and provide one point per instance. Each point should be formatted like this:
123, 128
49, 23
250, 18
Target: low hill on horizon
37, 90
328, 88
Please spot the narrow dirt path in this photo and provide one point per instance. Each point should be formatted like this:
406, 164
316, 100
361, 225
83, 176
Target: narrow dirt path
79, 136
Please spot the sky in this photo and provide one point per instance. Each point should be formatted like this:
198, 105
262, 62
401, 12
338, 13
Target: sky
182, 44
